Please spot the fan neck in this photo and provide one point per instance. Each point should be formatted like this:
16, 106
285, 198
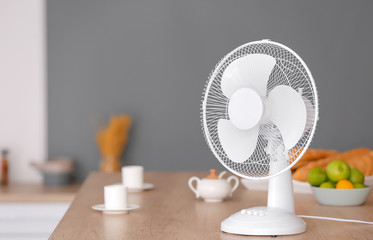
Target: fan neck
280, 192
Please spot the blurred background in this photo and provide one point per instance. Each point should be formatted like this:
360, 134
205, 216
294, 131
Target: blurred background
68, 66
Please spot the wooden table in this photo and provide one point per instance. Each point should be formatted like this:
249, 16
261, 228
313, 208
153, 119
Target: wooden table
171, 211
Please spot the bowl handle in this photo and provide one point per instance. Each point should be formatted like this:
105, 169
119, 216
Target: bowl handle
222, 174
229, 179
190, 183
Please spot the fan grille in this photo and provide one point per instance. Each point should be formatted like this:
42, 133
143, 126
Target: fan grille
290, 71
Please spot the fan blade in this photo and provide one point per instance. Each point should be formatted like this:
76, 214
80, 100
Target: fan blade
287, 110
250, 71
310, 114
237, 144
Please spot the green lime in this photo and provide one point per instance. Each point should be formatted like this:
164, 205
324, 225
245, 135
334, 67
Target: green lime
356, 176
327, 185
359, 185
316, 176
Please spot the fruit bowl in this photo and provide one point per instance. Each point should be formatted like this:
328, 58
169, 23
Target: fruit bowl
341, 197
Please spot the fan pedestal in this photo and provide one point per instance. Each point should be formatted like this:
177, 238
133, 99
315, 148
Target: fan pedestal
263, 221
278, 218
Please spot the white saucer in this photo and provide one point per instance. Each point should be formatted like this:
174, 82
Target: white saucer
145, 186
101, 207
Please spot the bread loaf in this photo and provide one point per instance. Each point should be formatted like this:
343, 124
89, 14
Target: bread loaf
361, 158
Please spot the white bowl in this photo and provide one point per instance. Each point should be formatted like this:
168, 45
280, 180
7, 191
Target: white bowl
341, 197
298, 186
262, 185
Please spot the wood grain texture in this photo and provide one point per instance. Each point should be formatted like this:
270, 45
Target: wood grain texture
24, 192
171, 211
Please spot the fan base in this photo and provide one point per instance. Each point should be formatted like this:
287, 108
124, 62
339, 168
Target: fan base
263, 221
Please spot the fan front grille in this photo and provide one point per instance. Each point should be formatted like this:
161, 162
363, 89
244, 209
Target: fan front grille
270, 156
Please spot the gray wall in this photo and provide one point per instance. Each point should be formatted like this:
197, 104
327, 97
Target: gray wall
151, 58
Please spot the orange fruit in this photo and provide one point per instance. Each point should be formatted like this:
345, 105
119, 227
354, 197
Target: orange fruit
344, 184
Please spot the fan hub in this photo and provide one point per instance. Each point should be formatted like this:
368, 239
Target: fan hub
245, 109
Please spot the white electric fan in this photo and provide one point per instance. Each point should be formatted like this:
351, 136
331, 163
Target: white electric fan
259, 113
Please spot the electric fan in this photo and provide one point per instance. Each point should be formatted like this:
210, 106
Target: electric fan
259, 113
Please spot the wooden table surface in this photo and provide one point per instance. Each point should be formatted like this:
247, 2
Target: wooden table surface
171, 211
27, 192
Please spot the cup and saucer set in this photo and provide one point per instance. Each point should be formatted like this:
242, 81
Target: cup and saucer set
115, 196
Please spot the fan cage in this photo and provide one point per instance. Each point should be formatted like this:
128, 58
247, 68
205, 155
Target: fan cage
267, 160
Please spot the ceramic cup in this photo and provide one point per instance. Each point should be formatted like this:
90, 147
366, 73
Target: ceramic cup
133, 176
115, 197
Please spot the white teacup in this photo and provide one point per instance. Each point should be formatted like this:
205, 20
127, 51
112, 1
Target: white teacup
115, 197
133, 176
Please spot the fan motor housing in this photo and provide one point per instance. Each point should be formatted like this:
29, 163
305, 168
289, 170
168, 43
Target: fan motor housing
246, 108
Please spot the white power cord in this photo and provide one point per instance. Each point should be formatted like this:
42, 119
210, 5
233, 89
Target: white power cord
335, 219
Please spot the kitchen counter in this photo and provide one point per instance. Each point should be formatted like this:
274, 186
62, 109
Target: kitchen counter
171, 211
25, 192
